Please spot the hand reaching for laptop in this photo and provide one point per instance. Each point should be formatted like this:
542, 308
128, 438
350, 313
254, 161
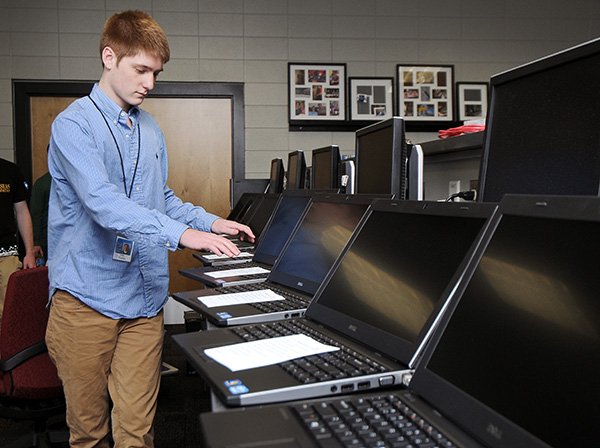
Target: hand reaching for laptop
198, 240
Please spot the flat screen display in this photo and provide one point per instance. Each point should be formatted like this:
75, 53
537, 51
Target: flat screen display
381, 159
284, 221
524, 339
542, 133
319, 240
276, 176
296, 169
394, 283
262, 213
325, 163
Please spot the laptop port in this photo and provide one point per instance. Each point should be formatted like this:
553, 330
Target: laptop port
363, 385
347, 387
333, 389
295, 315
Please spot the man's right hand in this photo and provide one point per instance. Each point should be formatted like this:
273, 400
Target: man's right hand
198, 240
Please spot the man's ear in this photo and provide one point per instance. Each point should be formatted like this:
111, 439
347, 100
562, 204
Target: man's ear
109, 58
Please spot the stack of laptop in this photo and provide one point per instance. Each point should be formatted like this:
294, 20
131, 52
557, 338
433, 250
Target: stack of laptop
512, 364
324, 229
373, 313
283, 221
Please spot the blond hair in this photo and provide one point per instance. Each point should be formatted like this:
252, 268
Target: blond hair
131, 32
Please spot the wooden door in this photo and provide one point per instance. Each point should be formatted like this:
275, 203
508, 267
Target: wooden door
198, 135
198, 132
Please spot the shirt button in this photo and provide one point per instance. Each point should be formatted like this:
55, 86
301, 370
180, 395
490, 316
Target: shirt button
137, 188
126, 135
168, 244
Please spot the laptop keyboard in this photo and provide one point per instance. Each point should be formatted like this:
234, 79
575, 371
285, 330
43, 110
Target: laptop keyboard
343, 363
292, 301
226, 267
383, 420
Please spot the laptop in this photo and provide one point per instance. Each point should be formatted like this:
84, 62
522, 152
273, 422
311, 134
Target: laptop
284, 219
512, 364
255, 215
373, 313
318, 239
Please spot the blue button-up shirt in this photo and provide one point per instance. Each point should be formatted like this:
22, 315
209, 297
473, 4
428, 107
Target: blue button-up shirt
89, 208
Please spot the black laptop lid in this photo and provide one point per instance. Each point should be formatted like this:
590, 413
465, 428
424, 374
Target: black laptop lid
318, 240
280, 227
262, 212
391, 279
519, 356
243, 206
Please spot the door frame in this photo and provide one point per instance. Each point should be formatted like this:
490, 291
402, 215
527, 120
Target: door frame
23, 90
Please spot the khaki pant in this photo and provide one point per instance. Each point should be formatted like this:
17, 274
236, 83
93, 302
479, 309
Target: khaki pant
8, 265
100, 360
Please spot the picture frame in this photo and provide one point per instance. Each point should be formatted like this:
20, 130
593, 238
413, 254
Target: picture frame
316, 92
425, 92
471, 100
371, 99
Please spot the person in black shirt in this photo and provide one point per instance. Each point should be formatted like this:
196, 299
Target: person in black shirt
14, 192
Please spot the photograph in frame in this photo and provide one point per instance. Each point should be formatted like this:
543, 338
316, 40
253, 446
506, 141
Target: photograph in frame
371, 99
471, 100
425, 93
316, 92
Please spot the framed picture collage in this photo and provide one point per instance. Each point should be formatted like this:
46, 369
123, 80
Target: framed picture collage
322, 93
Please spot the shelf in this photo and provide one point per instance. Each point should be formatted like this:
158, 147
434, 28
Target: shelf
467, 146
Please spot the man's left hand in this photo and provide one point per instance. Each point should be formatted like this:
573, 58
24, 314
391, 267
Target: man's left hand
224, 226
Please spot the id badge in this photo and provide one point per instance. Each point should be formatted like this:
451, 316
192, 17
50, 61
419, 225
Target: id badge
123, 249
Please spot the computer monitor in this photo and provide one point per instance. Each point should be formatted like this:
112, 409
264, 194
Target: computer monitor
296, 170
276, 177
381, 158
542, 133
325, 162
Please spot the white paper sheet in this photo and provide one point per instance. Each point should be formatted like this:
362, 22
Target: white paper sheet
239, 298
234, 272
223, 257
265, 352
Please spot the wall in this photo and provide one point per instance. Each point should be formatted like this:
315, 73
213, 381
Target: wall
251, 41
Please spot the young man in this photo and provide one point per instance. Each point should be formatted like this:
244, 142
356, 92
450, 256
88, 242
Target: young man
112, 220
14, 193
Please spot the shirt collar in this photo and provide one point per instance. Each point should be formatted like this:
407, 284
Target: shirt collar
109, 107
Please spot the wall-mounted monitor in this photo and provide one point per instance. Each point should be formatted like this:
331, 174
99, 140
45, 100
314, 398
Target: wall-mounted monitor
325, 164
381, 158
296, 170
542, 134
276, 176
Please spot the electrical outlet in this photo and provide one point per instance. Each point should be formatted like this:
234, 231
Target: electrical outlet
453, 187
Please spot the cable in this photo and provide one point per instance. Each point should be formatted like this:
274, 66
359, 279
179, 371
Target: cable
469, 195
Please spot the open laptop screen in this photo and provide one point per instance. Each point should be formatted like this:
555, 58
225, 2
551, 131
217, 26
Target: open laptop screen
524, 339
315, 245
262, 213
393, 276
282, 224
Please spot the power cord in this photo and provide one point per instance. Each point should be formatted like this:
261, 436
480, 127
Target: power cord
469, 195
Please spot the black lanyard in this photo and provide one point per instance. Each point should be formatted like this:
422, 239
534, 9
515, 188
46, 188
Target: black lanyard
119, 150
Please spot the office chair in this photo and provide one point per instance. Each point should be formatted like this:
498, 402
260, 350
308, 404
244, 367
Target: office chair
29, 385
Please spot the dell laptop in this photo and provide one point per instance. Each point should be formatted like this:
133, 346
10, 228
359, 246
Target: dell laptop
259, 208
318, 239
373, 313
512, 364
284, 219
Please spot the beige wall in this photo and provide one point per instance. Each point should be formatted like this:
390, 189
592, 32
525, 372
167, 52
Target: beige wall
251, 41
